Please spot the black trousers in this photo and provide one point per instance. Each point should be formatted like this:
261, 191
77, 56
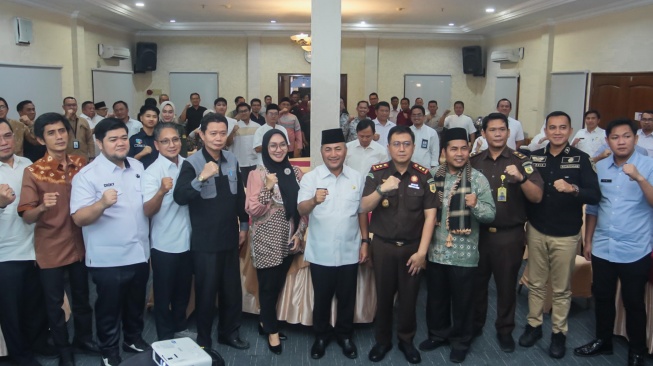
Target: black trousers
327, 282
22, 314
217, 273
449, 304
633, 278
392, 277
172, 274
53, 281
500, 255
244, 172
120, 297
270, 283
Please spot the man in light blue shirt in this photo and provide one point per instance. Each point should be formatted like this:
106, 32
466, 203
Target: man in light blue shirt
331, 195
106, 202
618, 241
172, 265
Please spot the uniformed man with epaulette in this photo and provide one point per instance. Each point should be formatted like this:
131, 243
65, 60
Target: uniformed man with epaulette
501, 243
553, 229
402, 196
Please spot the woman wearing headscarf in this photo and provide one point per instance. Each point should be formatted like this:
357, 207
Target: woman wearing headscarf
277, 229
168, 115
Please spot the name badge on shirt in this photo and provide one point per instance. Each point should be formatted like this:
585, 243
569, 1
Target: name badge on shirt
425, 144
413, 186
75, 144
606, 180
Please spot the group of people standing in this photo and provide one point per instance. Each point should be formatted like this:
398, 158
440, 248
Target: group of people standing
459, 222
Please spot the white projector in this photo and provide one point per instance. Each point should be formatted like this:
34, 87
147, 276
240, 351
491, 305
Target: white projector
179, 352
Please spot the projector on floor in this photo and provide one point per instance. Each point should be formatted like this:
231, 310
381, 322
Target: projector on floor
179, 352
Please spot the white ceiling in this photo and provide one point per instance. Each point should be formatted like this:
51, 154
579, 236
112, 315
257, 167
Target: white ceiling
382, 17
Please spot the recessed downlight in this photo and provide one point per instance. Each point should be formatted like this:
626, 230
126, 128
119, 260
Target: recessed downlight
173, 21
489, 10
451, 24
273, 21
140, 4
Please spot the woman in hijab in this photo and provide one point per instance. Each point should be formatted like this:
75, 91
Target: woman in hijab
168, 115
277, 229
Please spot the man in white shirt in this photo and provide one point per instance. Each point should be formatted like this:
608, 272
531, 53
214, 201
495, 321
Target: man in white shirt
22, 318
382, 124
106, 202
590, 138
243, 141
516, 138
645, 133
121, 112
427, 143
394, 111
172, 264
461, 120
88, 113
271, 119
330, 194
364, 152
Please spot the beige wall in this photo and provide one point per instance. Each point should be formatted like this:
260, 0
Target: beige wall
613, 42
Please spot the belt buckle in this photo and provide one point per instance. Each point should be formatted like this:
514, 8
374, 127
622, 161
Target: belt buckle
492, 229
399, 243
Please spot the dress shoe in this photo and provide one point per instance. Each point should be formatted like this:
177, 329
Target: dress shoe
635, 359
88, 346
318, 349
594, 348
275, 349
348, 348
110, 360
530, 336
135, 346
557, 348
378, 352
215, 356
457, 355
506, 342
410, 352
234, 342
66, 357
262, 332
431, 344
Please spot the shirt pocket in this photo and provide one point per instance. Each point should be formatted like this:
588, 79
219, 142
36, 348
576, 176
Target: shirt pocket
233, 181
414, 199
208, 189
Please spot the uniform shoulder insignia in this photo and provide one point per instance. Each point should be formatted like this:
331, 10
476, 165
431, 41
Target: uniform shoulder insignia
420, 168
520, 155
377, 167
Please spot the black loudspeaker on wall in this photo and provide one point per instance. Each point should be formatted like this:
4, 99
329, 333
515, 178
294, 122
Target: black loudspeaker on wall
145, 57
473, 61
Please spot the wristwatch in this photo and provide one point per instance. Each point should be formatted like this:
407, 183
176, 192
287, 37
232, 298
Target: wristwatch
524, 180
576, 189
200, 178
368, 241
378, 190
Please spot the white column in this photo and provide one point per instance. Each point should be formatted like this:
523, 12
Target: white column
326, 26
253, 68
371, 66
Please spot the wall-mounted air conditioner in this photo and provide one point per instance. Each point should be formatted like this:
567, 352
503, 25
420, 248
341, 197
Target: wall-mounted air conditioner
513, 55
108, 51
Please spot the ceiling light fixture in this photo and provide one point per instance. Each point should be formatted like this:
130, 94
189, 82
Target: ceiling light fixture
363, 22
489, 10
173, 21
303, 40
140, 5
273, 21
451, 24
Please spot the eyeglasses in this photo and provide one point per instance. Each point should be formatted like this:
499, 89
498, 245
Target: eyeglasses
646, 120
417, 115
7, 136
174, 140
3, 107
275, 147
405, 144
